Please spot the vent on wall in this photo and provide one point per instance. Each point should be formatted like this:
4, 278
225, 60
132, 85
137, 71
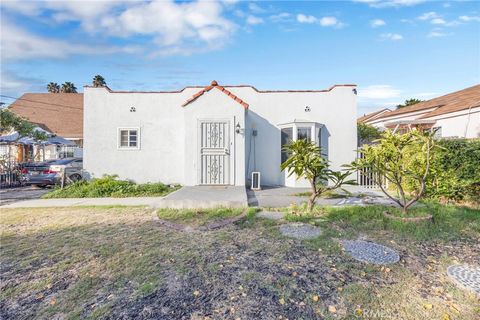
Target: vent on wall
255, 181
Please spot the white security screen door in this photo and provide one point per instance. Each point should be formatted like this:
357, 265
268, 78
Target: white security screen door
214, 152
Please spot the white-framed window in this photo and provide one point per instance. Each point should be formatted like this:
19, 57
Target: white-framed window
298, 130
129, 138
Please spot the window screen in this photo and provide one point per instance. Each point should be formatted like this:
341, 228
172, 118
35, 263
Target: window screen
304, 133
128, 138
287, 137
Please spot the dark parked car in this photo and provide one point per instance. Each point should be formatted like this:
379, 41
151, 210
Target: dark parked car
48, 173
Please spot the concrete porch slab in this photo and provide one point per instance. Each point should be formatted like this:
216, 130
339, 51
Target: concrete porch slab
204, 197
277, 197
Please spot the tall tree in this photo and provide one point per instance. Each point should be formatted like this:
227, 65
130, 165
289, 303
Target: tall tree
68, 87
409, 102
99, 81
53, 87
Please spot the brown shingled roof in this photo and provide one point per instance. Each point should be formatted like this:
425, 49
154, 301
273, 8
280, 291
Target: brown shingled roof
455, 101
372, 115
59, 113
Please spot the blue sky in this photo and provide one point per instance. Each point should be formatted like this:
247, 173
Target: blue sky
392, 49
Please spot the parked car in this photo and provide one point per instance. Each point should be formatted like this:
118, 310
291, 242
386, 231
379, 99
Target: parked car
43, 174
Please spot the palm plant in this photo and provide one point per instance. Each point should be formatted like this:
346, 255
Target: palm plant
53, 87
305, 161
99, 81
68, 87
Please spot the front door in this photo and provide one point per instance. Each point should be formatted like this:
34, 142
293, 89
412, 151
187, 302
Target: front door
214, 152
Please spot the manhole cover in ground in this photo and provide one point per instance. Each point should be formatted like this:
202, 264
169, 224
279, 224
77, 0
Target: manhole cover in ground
273, 215
370, 252
466, 276
300, 230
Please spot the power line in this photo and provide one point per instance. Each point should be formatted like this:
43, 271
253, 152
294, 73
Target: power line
20, 104
47, 103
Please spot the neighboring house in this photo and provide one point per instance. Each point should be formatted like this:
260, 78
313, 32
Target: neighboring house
455, 114
58, 113
213, 135
369, 117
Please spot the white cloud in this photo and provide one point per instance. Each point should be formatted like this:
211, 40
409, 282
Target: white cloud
255, 8
390, 3
171, 23
328, 21
378, 92
324, 21
17, 44
306, 19
428, 16
377, 23
437, 34
252, 20
197, 24
469, 18
281, 17
391, 36
13, 84
438, 21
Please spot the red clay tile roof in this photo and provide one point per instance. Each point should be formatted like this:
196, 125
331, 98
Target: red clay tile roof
372, 115
214, 84
227, 86
455, 101
59, 113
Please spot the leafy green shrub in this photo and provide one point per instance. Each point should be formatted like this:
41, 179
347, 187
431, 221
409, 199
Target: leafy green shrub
110, 186
404, 160
456, 171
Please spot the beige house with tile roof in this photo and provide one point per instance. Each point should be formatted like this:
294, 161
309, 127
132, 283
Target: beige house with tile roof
456, 114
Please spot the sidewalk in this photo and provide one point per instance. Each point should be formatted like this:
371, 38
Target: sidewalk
200, 197
75, 202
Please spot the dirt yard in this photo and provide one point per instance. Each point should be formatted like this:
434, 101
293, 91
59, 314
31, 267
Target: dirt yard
118, 263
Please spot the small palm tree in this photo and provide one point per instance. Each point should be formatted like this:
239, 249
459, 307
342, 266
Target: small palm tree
68, 87
306, 161
99, 81
53, 87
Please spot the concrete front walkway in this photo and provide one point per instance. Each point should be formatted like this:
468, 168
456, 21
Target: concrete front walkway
201, 197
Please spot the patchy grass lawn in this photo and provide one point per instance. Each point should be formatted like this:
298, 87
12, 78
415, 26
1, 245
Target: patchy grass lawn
199, 217
117, 263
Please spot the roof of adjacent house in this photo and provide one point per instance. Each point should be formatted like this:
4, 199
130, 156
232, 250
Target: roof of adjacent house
59, 113
452, 102
372, 115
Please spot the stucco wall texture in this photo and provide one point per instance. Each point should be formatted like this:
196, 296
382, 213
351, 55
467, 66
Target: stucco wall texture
169, 148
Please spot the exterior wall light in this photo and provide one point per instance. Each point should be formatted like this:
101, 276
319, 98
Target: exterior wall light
237, 128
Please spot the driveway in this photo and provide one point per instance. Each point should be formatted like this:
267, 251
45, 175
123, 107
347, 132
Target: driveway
12, 195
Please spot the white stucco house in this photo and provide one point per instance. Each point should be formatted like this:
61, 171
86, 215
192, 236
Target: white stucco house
454, 115
213, 135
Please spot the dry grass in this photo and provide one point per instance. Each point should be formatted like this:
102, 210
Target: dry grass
116, 263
